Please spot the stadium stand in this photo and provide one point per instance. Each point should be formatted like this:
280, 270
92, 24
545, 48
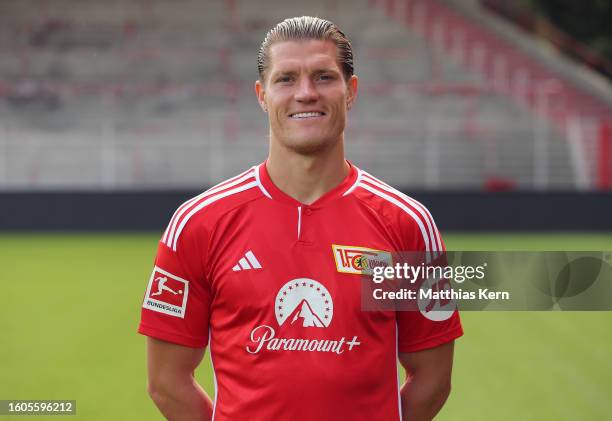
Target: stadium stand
159, 94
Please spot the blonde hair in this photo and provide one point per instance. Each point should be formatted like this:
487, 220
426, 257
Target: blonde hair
305, 28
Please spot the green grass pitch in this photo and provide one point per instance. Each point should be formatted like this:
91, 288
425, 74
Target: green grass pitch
70, 307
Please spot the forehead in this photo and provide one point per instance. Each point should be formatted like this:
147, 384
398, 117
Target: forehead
285, 55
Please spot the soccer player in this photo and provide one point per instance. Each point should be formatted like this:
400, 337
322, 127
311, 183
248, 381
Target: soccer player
270, 262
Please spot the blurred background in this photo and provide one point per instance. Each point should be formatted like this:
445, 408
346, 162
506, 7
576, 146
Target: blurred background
159, 94
496, 114
458, 98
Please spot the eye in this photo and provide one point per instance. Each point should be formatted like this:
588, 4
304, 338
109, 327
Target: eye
326, 76
284, 79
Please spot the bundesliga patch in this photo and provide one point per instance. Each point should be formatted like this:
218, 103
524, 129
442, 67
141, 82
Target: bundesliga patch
166, 293
359, 260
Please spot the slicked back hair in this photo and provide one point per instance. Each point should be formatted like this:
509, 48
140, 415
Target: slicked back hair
306, 28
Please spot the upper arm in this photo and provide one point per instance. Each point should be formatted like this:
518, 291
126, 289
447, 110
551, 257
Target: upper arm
168, 363
433, 363
177, 301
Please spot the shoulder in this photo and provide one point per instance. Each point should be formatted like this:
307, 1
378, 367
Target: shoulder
402, 212
203, 211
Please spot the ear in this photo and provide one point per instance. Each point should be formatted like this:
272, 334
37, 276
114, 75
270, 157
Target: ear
261, 95
351, 91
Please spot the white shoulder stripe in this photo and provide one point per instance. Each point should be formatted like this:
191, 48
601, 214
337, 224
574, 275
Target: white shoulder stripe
171, 231
180, 210
207, 202
436, 242
403, 207
355, 184
431, 225
261, 187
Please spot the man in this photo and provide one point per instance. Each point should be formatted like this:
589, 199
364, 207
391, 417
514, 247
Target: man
269, 261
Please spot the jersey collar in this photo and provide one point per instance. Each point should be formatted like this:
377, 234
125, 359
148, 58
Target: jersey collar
342, 189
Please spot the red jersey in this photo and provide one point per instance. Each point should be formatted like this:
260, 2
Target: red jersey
270, 286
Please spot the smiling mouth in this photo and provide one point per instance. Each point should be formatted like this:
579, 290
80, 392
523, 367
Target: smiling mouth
311, 114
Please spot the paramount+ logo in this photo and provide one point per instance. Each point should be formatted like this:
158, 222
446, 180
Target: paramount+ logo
306, 304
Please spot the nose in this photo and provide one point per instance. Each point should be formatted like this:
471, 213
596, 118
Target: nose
306, 91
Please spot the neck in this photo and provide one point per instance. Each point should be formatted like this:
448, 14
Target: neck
307, 177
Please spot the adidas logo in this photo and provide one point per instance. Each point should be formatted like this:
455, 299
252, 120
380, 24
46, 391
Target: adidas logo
249, 261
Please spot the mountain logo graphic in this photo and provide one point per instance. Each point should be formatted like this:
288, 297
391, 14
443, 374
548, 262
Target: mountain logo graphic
304, 301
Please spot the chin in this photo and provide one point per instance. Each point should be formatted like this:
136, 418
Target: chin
309, 146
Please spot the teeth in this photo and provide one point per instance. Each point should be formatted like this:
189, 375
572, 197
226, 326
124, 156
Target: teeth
306, 115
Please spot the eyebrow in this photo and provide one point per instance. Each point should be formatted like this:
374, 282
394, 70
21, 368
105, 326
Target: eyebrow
283, 73
320, 71
293, 72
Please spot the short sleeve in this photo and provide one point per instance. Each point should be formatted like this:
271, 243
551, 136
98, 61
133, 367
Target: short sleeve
416, 332
420, 330
176, 306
